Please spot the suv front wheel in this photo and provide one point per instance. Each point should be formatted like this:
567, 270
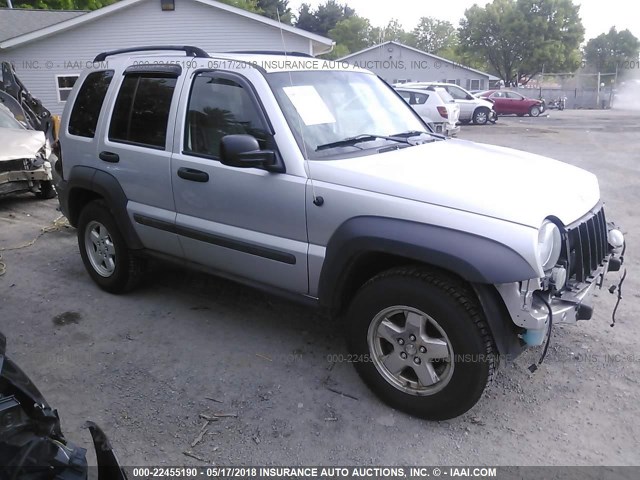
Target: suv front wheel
104, 252
481, 116
421, 342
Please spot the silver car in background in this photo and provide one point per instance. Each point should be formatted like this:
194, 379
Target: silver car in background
472, 109
435, 106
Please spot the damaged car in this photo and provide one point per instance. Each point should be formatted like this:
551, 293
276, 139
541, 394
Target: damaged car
24, 158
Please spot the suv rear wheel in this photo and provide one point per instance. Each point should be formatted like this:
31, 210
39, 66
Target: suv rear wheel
104, 252
422, 342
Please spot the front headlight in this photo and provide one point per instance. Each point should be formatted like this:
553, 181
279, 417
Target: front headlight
549, 245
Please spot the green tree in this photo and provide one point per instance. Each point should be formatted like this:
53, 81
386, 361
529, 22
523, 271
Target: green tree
353, 32
434, 36
324, 18
520, 38
248, 5
63, 4
276, 9
608, 51
392, 32
306, 18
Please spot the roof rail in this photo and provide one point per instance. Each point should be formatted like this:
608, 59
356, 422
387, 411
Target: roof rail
273, 52
189, 50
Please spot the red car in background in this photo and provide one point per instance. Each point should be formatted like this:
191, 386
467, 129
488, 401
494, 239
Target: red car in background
508, 102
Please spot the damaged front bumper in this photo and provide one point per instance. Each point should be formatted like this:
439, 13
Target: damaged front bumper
25, 178
528, 302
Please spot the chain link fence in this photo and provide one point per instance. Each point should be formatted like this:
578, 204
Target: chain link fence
580, 90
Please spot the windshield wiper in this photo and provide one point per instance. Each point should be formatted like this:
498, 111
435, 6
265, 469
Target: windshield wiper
410, 133
415, 133
365, 137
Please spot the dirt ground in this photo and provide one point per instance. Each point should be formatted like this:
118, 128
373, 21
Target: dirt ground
146, 365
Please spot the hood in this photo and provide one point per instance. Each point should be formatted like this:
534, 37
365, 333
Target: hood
485, 102
488, 180
20, 143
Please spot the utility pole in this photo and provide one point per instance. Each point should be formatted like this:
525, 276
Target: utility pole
9, 4
614, 85
598, 92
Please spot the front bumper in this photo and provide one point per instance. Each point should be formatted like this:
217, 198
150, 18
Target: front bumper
23, 180
530, 312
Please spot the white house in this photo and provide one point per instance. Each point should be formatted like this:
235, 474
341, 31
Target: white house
49, 48
397, 63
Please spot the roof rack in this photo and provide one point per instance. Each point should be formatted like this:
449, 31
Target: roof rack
273, 52
189, 50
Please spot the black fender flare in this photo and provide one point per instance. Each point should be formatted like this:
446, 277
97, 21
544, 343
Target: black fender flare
474, 258
108, 187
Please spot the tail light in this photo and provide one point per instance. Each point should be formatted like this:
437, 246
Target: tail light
57, 150
443, 112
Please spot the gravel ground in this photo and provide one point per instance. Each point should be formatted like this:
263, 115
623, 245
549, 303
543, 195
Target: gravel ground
147, 364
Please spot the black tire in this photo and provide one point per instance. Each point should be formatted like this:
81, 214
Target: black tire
481, 116
47, 190
129, 268
455, 309
535, 111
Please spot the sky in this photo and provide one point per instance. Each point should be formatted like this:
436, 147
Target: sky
597, 15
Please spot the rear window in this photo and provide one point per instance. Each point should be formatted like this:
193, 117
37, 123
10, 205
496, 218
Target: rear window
86, 109
141, 112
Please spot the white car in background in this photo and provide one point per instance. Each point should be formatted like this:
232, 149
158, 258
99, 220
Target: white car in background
472, 109
435, 107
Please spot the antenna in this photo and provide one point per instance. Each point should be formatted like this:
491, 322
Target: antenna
317, 201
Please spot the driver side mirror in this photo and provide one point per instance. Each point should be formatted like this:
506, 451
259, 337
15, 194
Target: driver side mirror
243, 151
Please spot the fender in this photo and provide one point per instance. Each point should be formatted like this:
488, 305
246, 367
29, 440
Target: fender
108, 187
504, 331
474, 258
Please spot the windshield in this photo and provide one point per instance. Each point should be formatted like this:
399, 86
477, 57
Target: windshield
7, 120
324, 108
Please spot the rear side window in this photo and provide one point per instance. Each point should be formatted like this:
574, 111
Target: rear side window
413, 98
86, 109
141, 112
420, 98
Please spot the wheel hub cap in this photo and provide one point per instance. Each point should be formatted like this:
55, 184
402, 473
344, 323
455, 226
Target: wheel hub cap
410, 350
100, 249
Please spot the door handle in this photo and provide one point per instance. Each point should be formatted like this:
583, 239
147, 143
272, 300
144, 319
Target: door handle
193, 175
109, 157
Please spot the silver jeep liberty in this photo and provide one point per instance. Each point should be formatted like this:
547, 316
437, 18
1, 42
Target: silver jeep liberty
318, 182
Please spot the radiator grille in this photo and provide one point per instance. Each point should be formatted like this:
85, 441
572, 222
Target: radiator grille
12, 165
588, 246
